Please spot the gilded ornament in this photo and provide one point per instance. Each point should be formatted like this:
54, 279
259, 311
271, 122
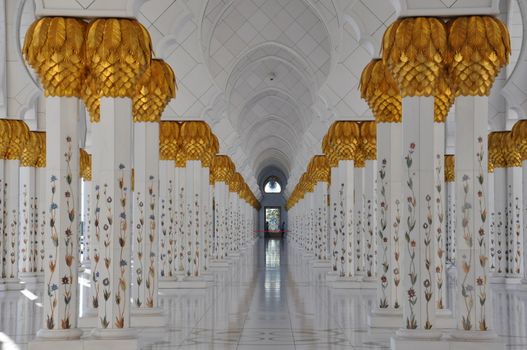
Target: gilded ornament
235, 183
118, 51
368, 135
5, 132
41, 159
18, 137
319, 169
168, 140
496, 149
222, 169
511, 152
479, 47
55, 48
153, 92
85, 165
444, 99
380, 91
91, 97
31, 151
342, 142
197, 142
450, 170
414, 51
519, 132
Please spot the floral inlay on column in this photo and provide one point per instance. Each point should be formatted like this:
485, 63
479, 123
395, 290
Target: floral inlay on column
411, 322
440, 241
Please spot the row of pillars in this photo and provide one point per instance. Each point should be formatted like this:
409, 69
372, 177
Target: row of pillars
410, 95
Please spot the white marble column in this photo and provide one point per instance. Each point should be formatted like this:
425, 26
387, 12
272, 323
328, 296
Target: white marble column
499, 242
471, 216
60, 298
41, 210
27, 258
370, 219
419, 212
439, 220
18, 138
390, 237
359, 232
166, 222
145, 242
87, 222
515, 223
345, 206
112, 164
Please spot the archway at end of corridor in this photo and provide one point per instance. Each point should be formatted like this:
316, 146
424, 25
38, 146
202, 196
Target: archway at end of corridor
272, 218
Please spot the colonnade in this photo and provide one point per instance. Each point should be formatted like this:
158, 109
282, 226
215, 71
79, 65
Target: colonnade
154, 204
428, 65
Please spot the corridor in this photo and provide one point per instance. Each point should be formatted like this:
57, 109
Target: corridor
270, 299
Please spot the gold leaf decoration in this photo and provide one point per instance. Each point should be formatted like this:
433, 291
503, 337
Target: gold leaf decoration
235, 182
85, 165
511, 152
91, 96
197, 142
342, 142
444, 99
450, 168
319, 169
41, 160
168, 140
31, 151
153, 92
18, 137
519, 133
414, 51
222, 169
496, 149
118, 51
5, 136
479, 47
380, 91
368, 136
54, 47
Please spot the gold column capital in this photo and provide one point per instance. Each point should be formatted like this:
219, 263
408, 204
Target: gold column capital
55, 48
415, 52
31, 150
222, 169
85, 165
18, 137
118, 51
479, 47
381, 92
168, 140
519, 133
450, 168
153, 91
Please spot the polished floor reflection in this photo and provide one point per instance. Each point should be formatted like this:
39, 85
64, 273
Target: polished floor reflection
271, 299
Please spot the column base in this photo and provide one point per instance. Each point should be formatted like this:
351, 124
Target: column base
115, 339
31, 277
356, 282
385, 318
219, 264
14, 284
513, 280
497, 279
321, 264
208, 276
88, 320
39, 344
331, 276
418, 334
445, 319
187, 283
148, 317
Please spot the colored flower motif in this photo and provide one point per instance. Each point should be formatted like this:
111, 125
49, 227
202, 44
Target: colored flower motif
411, 293
65, 280
106, 282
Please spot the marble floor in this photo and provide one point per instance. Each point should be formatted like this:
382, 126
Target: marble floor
271, 299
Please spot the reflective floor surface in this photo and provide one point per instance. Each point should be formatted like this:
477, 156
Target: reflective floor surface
272, 299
